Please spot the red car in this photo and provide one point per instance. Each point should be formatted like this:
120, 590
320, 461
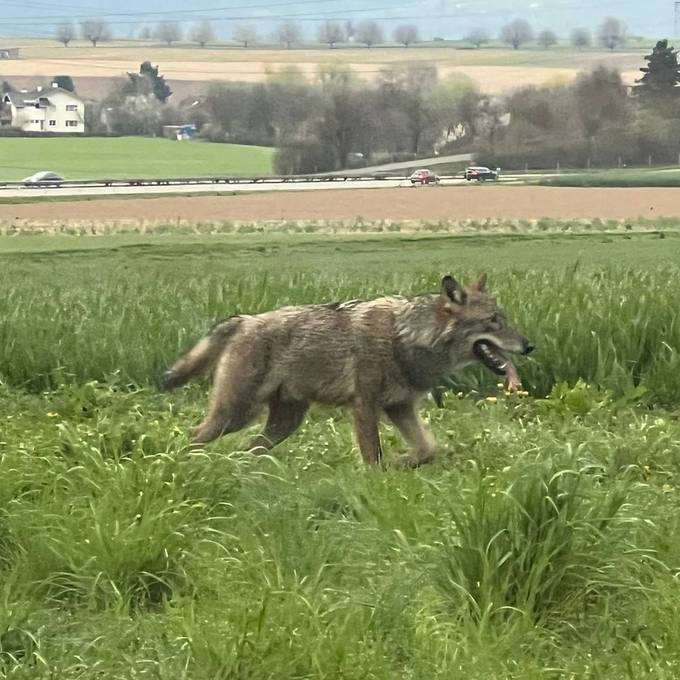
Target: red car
424, 176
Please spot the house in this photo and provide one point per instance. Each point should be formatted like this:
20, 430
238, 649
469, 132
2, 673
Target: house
44, 110
9, 52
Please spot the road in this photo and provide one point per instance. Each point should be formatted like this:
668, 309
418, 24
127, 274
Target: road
254, 187
235, 187
407, 165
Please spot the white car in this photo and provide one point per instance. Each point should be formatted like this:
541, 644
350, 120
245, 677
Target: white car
43, 178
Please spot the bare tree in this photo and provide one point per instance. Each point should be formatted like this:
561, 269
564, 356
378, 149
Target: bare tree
349, 30
289, 33
516, 33
477, 36
409, 93
96, 31
406, 34
369, 32
202, 33
581, 37
145, 33
246, 35
65, 33
346, 115
611, 33
169, 32
601, 98
547, 38
331, 33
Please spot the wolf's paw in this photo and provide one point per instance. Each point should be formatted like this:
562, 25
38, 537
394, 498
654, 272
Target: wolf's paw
170, 380
411, 462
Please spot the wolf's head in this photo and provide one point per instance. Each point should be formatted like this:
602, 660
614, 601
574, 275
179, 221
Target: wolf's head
479, 328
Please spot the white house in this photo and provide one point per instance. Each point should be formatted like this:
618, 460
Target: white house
51, 109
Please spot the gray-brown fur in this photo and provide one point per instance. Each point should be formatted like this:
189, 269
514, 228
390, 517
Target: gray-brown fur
379, 357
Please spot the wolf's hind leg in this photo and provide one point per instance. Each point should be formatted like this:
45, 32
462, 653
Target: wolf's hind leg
234, 404
223, 420
413, 429
285, 416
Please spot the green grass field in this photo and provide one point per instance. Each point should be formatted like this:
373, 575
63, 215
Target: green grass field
99, 157
632, 177
542, 543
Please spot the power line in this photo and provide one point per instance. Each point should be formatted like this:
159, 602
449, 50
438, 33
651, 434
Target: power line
231, 8
328, 15
331, 15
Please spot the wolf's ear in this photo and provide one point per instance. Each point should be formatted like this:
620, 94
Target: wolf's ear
452, 290
480, 284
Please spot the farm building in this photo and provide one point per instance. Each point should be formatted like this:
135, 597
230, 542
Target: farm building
180, 132
9, 52
44, 110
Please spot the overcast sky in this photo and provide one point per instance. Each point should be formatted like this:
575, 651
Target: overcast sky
444, 18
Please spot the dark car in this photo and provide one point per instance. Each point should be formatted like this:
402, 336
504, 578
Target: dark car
424, 176
481, 173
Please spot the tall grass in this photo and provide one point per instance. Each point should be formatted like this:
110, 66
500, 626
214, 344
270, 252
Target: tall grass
543, 542
616, 326
155, 560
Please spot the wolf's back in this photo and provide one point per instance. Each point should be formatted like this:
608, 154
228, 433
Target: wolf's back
202, 357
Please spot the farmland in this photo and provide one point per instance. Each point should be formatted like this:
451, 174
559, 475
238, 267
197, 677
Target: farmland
431, 208
98, 157
542, 543
494, 68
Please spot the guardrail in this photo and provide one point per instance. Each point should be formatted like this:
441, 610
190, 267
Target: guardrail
184, 181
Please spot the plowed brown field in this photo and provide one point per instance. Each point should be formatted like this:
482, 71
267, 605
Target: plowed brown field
408, 204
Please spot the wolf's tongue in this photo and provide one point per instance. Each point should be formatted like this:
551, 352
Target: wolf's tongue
512, 380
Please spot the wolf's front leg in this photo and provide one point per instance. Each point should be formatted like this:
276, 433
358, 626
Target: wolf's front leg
366, 420
413, 430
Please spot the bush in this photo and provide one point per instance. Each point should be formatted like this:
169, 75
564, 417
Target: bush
303, 158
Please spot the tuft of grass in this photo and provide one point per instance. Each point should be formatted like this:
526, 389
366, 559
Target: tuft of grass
541, 543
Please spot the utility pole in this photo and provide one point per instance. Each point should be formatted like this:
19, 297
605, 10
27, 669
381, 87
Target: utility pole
676, 21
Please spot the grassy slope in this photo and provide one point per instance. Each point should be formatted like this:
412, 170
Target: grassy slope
91, 157
633, 177
542, 544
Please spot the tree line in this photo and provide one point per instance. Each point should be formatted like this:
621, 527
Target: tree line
611, 33
408, 112
595, 121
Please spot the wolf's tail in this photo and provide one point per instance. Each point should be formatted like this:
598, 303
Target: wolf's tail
202, 357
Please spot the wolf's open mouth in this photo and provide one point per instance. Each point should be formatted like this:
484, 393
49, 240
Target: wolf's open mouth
490, 355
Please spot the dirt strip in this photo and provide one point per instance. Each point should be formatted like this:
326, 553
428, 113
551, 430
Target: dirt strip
422, 203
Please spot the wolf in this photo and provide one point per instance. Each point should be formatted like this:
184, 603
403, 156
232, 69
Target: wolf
378, 357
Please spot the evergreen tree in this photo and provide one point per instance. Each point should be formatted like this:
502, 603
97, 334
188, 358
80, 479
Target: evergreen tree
64, 82
662, 75
147, 81
160, 87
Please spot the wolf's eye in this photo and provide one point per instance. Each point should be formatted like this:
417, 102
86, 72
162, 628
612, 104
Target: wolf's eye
495, 321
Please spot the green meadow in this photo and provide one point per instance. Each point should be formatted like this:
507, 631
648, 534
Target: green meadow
128, 157
543, 542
